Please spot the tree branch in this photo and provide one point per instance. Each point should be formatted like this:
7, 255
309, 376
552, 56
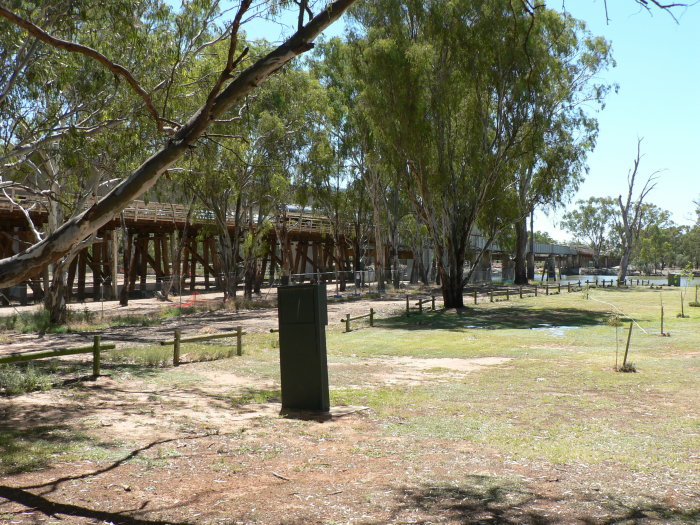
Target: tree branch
22, 265
73, 47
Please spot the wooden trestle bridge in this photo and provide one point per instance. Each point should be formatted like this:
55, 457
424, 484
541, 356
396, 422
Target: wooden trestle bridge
155, 231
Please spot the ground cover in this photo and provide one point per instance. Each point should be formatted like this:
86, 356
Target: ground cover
506, 412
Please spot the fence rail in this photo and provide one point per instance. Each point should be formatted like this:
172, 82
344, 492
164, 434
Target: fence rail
177, 340
348, 319
95, 350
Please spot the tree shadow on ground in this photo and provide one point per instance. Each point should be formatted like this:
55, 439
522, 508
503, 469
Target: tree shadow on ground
40, 503
505, 317
483, 499
53, 509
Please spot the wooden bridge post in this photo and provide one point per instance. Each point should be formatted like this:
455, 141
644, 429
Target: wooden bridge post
82, 265
193, 264
115, 264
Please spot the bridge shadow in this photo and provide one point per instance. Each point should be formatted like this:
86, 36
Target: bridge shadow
504, 317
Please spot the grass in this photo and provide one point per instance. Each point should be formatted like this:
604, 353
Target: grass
559, 398
21, 378
158, 356
31, 449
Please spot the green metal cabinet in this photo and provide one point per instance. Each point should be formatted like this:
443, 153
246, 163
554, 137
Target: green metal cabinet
303, 316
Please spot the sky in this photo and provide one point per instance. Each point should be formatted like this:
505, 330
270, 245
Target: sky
658, 73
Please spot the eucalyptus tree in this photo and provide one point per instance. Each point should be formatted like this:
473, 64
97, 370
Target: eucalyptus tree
591, 223
562, 131
226, 90
332, 64
57, 110
451, 89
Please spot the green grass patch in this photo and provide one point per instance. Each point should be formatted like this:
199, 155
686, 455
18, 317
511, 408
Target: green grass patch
250, 396
20, 378
559, 398
35, 448
159, 356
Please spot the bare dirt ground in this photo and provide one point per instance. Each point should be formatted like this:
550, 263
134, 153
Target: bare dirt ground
155, 453
214, 319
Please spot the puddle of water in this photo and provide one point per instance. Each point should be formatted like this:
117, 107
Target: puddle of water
555, 331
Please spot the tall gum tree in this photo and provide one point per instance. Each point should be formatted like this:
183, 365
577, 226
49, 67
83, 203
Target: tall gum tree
226, 91
450, 88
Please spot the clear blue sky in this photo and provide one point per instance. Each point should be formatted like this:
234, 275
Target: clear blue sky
658, 73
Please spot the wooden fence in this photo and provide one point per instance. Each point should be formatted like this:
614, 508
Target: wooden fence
95, 349
178, 340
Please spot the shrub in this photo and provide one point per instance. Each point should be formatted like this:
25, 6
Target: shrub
628, 367
18, 379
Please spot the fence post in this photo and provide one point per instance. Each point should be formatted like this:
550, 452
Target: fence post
559, 287
507, 294
627, 348
407, 307
568, 287
433, 298
96, 356
536, 288
239, 340
347, 322
490, 296
546, 289
520, 290
371, 316
176, 348
474, 296
420, 306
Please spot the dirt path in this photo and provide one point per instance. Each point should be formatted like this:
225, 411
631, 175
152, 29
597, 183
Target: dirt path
213, 321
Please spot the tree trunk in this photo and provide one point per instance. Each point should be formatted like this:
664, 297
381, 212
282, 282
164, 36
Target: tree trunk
379, 264
521, 252
531, 253
128, 262
452, 287
55, 299
452, 278
624, 262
